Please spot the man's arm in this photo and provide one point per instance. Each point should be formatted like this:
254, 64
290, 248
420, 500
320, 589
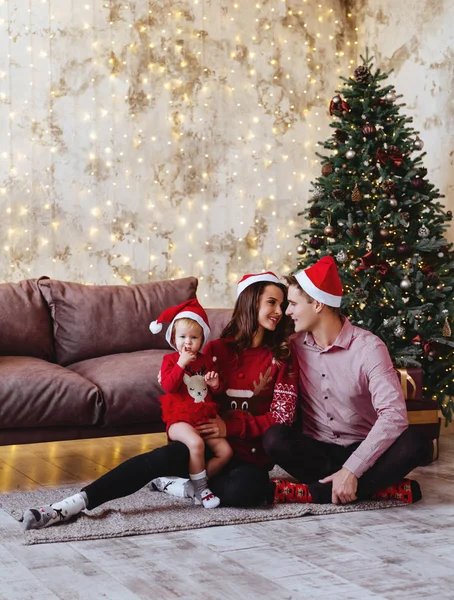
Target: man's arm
389, 404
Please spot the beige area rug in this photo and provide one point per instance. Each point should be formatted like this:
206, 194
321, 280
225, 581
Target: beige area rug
155, 512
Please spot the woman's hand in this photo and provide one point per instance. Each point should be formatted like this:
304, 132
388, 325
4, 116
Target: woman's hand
213, 428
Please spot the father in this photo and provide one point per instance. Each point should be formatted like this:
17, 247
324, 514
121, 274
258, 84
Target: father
352, 439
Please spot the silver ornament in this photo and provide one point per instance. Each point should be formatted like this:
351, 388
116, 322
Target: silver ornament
440, 255
336, 99
390, 97
419, 144
399, 331
341, 257
423, 231
393, 203
405, 284
350, 154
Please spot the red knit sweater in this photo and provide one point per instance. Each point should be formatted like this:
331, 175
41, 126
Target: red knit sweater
259, 391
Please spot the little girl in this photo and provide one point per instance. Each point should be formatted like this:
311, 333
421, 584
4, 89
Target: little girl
186, 376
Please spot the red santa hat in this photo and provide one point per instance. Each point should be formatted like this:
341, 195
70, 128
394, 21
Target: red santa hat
191, 309
247, 280
322, 282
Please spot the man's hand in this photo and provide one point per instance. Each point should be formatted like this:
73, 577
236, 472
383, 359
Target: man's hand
345, 485
213, 428
212, 379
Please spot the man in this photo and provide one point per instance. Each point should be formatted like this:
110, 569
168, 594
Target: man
353, 440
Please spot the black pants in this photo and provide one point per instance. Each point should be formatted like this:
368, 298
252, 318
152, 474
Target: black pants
309, 460
238, 484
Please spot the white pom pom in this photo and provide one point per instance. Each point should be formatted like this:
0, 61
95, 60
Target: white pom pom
215, 358
155, 327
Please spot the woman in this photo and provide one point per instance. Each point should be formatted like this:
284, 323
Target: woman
259, 377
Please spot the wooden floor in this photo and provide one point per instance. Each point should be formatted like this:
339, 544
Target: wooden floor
403, 553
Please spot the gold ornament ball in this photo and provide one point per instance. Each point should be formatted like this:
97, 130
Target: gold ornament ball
393, 203
301, 249
350, 154
384, 233
329, 231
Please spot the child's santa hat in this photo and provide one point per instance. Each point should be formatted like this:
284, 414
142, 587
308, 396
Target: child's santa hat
322, 282
191, 309
247, 280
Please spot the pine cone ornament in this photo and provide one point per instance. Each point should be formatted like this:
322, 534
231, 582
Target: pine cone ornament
356, 194
314, 211
360, 293
339, 195
361, 74
446, 331
340, 136
388, 185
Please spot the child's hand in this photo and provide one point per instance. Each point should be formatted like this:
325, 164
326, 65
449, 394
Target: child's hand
186, 357
212, 379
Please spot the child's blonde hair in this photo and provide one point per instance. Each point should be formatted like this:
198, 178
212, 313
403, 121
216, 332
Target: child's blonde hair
185, 321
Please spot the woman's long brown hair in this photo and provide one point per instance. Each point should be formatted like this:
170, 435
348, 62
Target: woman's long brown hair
244, 322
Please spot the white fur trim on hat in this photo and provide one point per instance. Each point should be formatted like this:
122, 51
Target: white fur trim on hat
187, 314
255, 279
155, 327
314, 292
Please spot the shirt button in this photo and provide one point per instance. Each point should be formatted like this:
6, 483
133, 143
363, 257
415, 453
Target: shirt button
331, 418
326, 397
323, 374
253, 450
240, 375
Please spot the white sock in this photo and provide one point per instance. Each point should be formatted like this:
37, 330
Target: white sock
44, 516
72, 506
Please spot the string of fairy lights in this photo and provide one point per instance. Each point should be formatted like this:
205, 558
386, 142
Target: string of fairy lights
151, 142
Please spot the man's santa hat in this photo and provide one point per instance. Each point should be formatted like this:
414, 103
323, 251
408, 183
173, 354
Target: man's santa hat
322, 282
191, 309
247, 280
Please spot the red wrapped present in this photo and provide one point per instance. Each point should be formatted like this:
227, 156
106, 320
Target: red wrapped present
411, 382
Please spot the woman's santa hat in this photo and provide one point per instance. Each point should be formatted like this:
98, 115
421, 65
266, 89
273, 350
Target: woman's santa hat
322, 282
191, 309
248, 280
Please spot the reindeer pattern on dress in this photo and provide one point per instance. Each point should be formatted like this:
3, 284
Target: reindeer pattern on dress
195, 382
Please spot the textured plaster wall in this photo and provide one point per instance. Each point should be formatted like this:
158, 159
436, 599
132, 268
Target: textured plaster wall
416, 39
150, 140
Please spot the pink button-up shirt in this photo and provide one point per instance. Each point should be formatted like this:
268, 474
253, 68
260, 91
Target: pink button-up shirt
349, 392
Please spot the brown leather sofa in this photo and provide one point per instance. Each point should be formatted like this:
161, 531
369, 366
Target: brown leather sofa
78, 361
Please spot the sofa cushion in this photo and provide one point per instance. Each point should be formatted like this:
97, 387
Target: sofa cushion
25, 323
128, 383
92, 321
35, 393
218, 318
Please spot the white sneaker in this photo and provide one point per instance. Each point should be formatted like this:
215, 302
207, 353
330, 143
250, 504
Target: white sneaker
174, 486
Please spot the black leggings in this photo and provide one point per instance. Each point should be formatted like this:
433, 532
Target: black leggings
309, 460
238, 484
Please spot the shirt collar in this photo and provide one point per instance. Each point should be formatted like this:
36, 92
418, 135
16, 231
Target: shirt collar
343, 340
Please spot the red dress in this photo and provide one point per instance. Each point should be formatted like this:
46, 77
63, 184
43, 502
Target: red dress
259, 391
188, 398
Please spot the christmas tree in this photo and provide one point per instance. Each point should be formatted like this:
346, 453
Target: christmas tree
376, 212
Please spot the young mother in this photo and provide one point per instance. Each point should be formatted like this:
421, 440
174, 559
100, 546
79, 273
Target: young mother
253, 358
